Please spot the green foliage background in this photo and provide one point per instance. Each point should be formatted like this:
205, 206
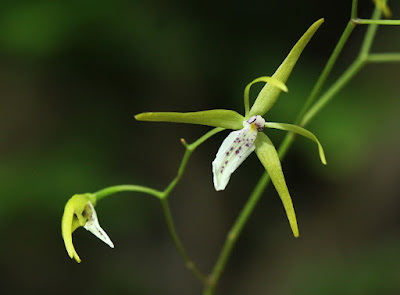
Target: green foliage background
73, 74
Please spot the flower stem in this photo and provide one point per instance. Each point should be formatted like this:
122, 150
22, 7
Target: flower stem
163, 197
167, 212
387, 22
189, 150
240, 222
234, 233
354, 9
370, 34
178, 244
351, 71
333, 90
383, 57
327, 69
125, 188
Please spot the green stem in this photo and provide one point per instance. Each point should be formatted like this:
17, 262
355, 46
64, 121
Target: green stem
167, 212
206, 136
178, 177
189, 150
387, 22
126, 188
354, 9
327, 69
333, 90
348, 74
330, 63
370, 35
163, 196
178, 244
240, 222
234, 234
383, 57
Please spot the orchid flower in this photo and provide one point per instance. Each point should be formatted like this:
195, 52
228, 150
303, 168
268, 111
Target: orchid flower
249, 135
79, 211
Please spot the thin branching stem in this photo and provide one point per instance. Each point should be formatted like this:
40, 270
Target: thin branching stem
178, 244
370, 35
163, 197
354, 9
327, 70
387, 22
111, 190
383, 57
332, 91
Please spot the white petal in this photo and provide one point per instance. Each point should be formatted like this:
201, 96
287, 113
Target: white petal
233, 151
93, 226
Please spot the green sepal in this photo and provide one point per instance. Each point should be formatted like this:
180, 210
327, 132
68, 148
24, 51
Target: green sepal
301, 131
74, 216
269, 158
265, 79
382, 6
215, 118
269, 93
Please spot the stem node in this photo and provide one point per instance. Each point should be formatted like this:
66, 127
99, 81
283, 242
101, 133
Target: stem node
183, 141
231, 236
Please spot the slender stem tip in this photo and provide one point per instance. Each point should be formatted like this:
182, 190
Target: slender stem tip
183, 141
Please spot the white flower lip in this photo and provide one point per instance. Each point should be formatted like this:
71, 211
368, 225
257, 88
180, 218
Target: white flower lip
94, 227
236, 147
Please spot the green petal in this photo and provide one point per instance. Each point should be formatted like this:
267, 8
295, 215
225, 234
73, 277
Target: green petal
301, 131
72, 219
216, 118
66, 230
269, 94
268, 156
265, 79
382, 6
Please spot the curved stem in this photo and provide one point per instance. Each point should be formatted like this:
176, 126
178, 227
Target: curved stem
126, 188
167, 212
163, 197
189, 150
178, 244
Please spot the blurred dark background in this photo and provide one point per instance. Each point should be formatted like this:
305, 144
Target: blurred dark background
74, 73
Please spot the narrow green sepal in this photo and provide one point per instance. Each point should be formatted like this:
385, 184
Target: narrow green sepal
301, 131
269, 93
265, 79
215, 118
269, 158
382, 6
74, 216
